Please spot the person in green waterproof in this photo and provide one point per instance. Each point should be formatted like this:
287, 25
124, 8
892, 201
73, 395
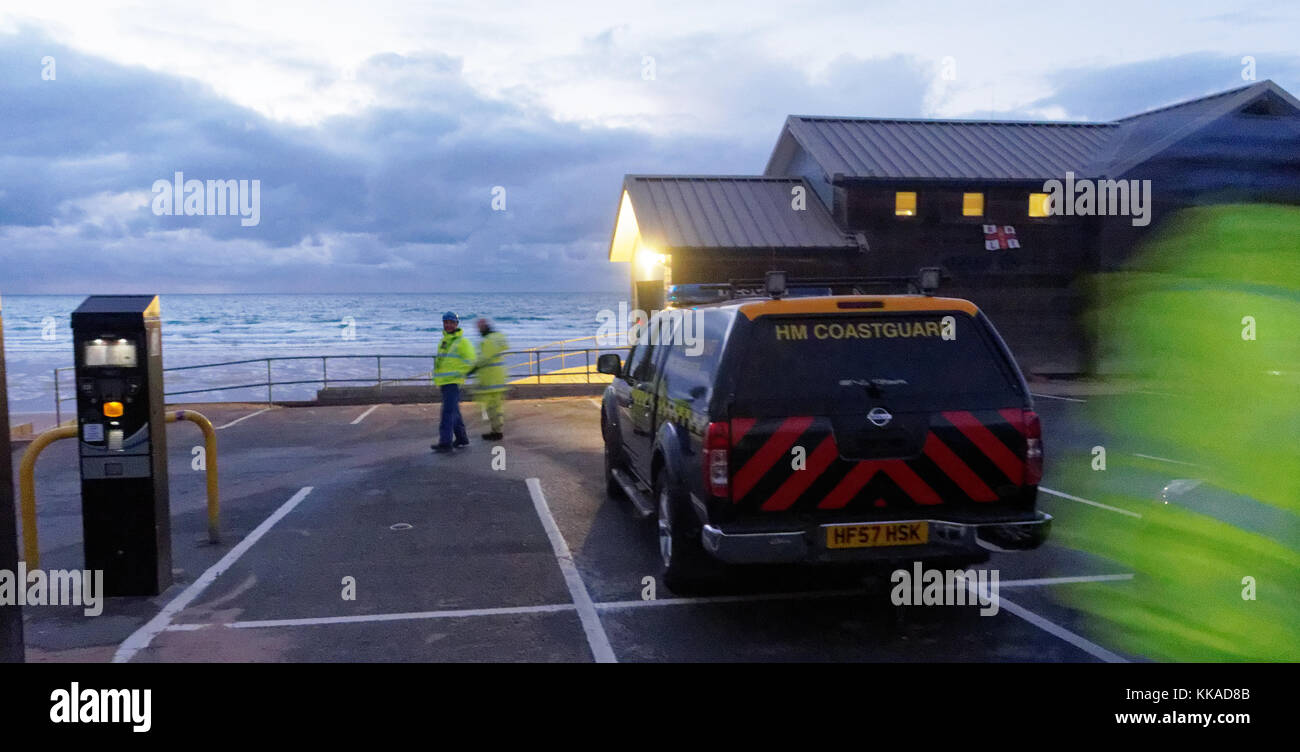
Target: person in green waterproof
453, 363
490, 370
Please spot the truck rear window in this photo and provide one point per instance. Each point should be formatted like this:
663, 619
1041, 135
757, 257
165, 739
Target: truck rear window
838, 363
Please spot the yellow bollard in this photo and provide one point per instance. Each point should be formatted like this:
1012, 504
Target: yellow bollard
27, 488
210, 451
27, 482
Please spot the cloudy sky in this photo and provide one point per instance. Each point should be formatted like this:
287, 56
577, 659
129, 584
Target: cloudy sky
379, 130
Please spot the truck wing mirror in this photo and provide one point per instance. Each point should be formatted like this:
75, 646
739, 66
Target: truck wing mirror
610, 363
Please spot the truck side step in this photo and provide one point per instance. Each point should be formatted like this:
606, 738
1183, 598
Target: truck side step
639, 494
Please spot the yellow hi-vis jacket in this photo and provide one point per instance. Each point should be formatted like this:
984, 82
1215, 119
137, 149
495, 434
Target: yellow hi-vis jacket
491, 366
455, 358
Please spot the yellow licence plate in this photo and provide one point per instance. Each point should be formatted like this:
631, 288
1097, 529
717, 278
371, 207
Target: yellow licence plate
886, 534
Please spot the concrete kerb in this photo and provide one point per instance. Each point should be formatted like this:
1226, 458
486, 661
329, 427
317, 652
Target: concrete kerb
405, 395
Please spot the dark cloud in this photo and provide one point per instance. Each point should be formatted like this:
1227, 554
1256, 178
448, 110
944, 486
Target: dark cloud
1108, 93
397, 195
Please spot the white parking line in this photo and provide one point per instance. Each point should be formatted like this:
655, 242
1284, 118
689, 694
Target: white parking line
549, 608
240, 420
362, 416
1053, 396
597, 640
142, 637
597, 404
1091, 648
1056, 630
619, 605
1036, 582
1162, 459
602, 606
1097, 504
1039, 581
369, 618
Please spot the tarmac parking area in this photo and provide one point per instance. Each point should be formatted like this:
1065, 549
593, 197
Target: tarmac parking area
346, 539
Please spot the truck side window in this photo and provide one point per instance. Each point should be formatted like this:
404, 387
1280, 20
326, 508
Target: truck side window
692, 365
643, 369
640, 363
636, 354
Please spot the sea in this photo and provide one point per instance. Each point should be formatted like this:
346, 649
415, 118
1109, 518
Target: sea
220, 328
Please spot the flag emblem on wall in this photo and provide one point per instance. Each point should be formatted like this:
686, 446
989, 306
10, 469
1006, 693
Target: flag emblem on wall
1000, 237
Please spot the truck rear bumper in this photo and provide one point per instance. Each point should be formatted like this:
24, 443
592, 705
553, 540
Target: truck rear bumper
946, 538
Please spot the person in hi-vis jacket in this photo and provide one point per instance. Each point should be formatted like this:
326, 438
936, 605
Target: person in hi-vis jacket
453, 363
490, 372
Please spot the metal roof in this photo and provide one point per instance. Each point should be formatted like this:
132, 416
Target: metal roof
1140, 137
732, 212
984, 150
756, 212
947, 149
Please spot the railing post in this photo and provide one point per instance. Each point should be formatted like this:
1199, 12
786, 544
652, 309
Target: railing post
269, 401
325, 371
58, 406
587, 369
379, 375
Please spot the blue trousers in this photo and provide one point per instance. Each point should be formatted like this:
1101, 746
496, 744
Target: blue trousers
451, 420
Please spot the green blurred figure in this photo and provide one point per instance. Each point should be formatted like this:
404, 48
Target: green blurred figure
490, 370
1207, 318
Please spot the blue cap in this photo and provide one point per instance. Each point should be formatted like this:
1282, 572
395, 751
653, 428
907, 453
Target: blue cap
450, 316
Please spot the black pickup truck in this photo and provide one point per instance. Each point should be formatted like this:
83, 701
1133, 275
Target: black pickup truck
844, 429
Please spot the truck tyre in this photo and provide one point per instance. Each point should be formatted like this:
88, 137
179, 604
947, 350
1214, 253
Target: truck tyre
612, 459
685, 567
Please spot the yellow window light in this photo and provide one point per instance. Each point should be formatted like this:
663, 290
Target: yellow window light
905, 204
972, 204
1039, 206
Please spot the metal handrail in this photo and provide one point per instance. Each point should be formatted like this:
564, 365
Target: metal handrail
561, 342
532, 361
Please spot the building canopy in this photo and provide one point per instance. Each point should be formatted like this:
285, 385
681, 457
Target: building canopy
663, 214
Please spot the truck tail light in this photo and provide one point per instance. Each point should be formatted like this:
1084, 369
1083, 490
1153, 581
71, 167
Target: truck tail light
1033, 449
717, 460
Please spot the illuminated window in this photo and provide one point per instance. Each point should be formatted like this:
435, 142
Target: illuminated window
972, 204
905, 204
1038, 205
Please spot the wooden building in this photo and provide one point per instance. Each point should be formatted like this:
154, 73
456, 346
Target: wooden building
867, 196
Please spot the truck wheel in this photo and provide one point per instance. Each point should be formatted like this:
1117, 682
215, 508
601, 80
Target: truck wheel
685, 566
612, 488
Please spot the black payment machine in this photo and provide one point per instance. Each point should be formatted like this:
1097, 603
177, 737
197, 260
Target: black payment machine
123, 442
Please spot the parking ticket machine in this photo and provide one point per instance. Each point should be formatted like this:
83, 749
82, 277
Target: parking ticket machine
125, 507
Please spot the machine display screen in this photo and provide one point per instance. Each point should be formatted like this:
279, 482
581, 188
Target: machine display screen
109, 353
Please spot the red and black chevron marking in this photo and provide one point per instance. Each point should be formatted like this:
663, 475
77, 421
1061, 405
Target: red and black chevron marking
968, 456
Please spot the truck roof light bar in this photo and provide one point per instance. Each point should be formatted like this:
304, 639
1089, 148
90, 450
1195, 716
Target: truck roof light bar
778, 284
